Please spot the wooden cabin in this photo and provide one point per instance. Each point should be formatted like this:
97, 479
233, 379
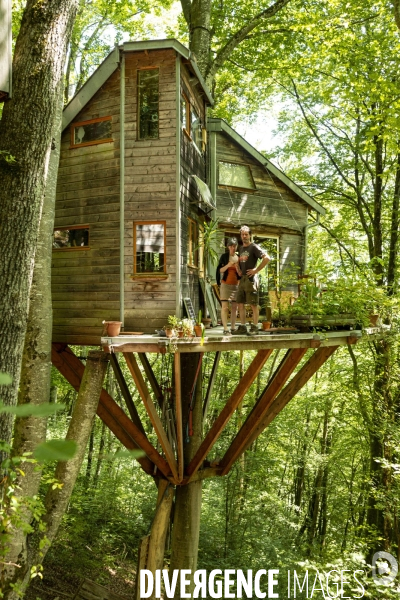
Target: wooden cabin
5, 50
140, 171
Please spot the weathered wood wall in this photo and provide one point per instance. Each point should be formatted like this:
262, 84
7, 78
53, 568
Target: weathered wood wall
270, 209
150, 191
192, 163
85, 283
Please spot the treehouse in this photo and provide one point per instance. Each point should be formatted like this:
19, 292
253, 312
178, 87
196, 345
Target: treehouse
141, 170
5, 50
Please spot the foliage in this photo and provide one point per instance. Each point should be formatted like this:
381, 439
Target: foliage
210, 238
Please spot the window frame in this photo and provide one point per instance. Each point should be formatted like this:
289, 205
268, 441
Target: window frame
72, 248
193, 246
186, 129
153, 274
138, 138
87, 122
224, 186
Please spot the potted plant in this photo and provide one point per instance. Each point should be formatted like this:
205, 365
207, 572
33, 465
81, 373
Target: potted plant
172, 327
187, 328
199, 327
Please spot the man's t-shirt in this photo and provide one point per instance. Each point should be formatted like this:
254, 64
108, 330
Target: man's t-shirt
249, 256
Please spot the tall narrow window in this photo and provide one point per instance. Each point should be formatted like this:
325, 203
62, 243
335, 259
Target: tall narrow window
149, 247
195, 128
193, 250
185, 114
148, 104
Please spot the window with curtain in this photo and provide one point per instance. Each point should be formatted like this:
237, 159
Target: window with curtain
149, 247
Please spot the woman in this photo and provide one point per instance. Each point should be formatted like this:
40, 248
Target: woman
228, 268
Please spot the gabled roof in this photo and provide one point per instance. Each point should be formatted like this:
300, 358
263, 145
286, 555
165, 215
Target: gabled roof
219, 125
110, 64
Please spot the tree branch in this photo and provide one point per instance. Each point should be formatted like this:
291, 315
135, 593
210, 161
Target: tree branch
224, 53
186, 9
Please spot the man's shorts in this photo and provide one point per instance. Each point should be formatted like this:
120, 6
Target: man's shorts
248, 291
228, 292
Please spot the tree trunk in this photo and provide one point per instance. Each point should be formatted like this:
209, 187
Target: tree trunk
66, 472
26, 132
36, 360
186, 528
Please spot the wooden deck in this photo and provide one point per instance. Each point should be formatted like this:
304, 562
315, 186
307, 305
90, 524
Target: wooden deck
215, 341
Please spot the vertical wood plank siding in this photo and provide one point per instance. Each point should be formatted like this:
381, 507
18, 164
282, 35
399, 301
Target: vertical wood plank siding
85, 284
271, 209
150, 191
192, 163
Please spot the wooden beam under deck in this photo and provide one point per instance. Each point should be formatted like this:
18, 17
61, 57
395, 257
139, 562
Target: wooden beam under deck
228, 410
126, 393
314, 363
276, 383
113, 416
152, 378
152, 412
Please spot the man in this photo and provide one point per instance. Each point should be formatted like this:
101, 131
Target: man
249, 255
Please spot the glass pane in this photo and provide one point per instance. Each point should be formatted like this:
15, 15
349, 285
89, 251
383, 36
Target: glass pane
148, 103
235, 175
150, 250
70, 238
92, 132
183, 112
195, 128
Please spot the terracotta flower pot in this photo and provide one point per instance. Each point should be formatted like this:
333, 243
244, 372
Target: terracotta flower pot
266, 325
198, 330
112, 328
169, 332
206, 323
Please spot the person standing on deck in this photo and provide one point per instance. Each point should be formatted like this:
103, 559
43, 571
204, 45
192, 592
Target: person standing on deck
228, 267
249, 255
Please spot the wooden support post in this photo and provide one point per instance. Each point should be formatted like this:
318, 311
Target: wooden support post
211, 384
228, 410
119, 376
178, 414
315, 362
152, 412
108, 410
152, 546
152, 378
276, 383
186, 528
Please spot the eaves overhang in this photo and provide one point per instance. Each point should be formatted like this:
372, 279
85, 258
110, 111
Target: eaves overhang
219, 125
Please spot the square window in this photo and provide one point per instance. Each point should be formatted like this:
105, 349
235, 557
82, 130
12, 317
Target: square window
147, 82
235, 175
71, 238
149, 247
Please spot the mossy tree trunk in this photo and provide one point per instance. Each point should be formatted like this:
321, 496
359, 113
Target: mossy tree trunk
26, 133
66, 473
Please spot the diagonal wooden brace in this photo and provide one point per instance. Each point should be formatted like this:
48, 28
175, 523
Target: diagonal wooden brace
152, 412
278, 380
228, 410
113, 416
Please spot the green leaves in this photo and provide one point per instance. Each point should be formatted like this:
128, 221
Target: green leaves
55, 450
32, 410
125, 454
